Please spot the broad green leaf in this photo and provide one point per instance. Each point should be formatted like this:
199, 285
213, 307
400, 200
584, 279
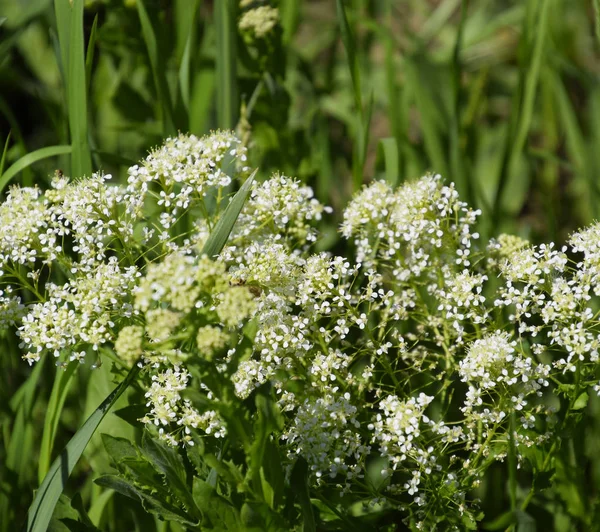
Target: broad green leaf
29, 159
168, 462
46, 497
119, 449
152, 504
219, 235
222, 515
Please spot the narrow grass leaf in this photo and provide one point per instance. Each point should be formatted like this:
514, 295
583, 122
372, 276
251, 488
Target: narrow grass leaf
517, 137
226, 57
388, 148
184, 67
58, 395
29, 159
89, 53
160, 81
81, 157
20, 444
41, 510
219, 235
350, 46
62, 12
596, 4
4, 152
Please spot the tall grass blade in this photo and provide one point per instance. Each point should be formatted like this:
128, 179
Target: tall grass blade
4, 152
60, 389
388, 148
462, 182
290, 15
350, 46
160, 81
219, 235
184, 67
226, 33
89, 53
41, 510
517, 135
72, 50
596, 4
17, 458
62, 12
29, 159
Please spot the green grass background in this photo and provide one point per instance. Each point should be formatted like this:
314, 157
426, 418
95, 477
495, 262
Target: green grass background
500, 97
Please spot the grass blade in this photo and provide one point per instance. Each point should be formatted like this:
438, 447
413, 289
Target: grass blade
160, 81
388, 148
184, 67
41, 510
60, 389
62, 12
226, 32
4, 152
74, 52
349, 44
523, 112
219, 235
29, 159
89, 53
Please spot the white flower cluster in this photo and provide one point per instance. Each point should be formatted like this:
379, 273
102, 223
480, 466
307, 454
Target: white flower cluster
365, 354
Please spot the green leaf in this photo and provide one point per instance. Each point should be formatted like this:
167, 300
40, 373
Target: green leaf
162, 509
219, 235
4, 151
350, 46
299, 483
501, 522
168, 462
40, 511
525, 522
388, 147
81, 158
132, 414
89, 54
119, 449
581, 402
226, 35
158, 70
29, 159
60, 389
184, 68
223, 516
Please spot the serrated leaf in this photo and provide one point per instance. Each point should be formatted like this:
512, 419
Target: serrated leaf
222, 515
167, 461
152, 504
118, 449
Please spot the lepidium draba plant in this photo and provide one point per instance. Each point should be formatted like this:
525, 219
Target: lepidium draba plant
284, 388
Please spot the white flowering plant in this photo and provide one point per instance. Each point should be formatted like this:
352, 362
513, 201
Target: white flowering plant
281, 388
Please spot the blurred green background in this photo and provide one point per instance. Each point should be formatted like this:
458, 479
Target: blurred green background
500, 97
